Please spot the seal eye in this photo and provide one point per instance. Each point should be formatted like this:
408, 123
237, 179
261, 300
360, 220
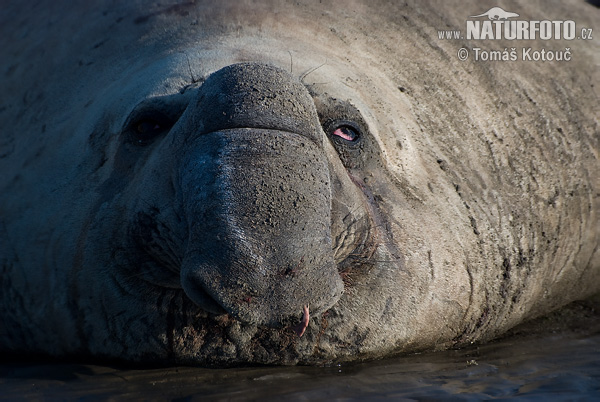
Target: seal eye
345, 132
145, 129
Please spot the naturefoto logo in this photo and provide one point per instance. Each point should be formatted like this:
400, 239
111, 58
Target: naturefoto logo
501, 25
497, 23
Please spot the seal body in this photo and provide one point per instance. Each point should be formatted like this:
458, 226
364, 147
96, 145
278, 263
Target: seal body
199, 183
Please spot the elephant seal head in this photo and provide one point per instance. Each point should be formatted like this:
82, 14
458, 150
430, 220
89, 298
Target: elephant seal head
201, 183
241, 204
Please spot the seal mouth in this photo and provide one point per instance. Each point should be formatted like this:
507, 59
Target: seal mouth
202, 299
161, 267
271, 304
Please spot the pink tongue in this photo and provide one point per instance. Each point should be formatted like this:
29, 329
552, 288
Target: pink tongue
301, 327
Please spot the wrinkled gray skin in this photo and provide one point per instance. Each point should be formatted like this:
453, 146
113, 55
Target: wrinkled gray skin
172, 190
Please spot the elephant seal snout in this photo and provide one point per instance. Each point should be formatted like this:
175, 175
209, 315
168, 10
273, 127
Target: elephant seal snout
257, 198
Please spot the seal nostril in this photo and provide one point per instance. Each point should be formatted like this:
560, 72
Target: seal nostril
200, 297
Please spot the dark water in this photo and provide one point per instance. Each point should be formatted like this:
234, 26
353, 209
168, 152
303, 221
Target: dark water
563, 366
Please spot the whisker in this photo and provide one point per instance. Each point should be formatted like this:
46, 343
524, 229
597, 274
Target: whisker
291, 62
303, 76
194, 79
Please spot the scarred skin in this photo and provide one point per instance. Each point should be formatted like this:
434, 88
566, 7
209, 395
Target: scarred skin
222, 184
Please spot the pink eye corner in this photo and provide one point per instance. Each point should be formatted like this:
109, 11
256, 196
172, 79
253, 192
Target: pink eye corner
346, 132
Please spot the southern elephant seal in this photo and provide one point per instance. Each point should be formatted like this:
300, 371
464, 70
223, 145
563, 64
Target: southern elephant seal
201, 183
